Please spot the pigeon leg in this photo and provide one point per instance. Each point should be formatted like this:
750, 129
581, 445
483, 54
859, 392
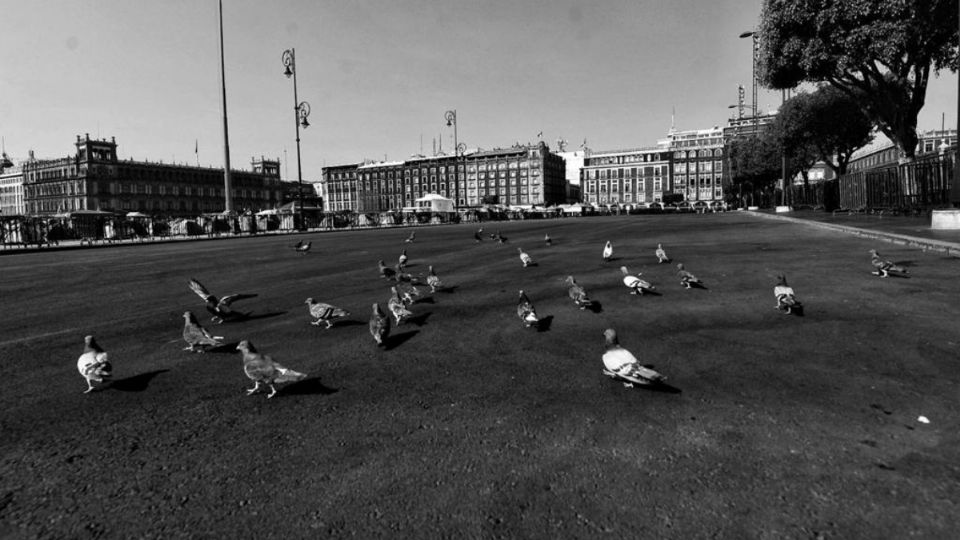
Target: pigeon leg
273, 391
256, 386
329, 325
89, 387
217, 320
316, 322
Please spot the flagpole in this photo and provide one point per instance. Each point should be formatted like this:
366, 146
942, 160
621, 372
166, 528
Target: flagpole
227, 184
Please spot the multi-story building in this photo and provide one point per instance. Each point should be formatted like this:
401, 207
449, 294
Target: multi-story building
626, 177
697, 159
11, 191
95, 179
519, 175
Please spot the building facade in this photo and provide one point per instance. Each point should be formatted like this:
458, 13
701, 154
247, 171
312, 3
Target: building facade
95, 179
519, 175
626, 177
697, 163
11, 191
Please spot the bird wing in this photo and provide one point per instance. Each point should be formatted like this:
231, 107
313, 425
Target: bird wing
200, 290
287, 375
231, 298
195, 334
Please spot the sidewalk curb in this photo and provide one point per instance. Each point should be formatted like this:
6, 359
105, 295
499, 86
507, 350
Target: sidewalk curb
927, 244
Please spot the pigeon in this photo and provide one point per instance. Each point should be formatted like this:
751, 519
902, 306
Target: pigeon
303, 249
578, 294
634, 283
379, 325
410, 239
397, 307
607, 251
196, 336
621, 364
261, 369
385, 271
525, 258
547, 240
297, 245
526, 311
884, 267
220, 307
477, 235
406, 290
786, 300
93, 364
402, 261
324, 312
400, 275
433, 280
498, 237
661, 254
686, 278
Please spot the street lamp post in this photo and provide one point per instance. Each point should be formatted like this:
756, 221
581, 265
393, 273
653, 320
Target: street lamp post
301, 110
756, 37
451, 117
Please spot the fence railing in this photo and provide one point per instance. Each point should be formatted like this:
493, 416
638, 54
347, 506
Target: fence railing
924, 183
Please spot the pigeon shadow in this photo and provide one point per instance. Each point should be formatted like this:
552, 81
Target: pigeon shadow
448, 290
650, 292
543, 325
611, 259
394, 341
595, 307
307, 387
263, 315
136, 383
419, 320
225, 348
426, 300
663, 388
698, 286
349, 322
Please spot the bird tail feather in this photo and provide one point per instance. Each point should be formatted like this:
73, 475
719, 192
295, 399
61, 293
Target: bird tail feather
289, 375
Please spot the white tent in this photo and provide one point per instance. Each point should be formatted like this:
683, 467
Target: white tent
434, 203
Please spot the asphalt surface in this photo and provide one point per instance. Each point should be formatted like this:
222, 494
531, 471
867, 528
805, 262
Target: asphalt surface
470, 425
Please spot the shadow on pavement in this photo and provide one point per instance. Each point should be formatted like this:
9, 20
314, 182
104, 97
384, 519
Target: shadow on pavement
309, 386
396, 340
136, 383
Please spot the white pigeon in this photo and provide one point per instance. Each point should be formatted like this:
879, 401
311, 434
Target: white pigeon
261, 369
884, 267
397, 306
578, 294
379, 325
607, 251
547, 240
686, 278
661, 254
411, 238
433, 280
324, 312
402, 260
303, 249
634, 283
197, 337
525, 258
94, 364
526, 311
786, 299
621, 364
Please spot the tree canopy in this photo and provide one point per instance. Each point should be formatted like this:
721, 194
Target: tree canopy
825, 125
879, 51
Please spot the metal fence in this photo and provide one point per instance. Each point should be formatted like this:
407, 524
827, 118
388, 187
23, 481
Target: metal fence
922, 184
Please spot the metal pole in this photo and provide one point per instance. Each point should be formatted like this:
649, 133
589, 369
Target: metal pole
227, 184
296, 123
955, 187
456, 163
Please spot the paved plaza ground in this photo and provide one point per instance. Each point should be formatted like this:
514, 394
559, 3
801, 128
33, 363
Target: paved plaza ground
470, 425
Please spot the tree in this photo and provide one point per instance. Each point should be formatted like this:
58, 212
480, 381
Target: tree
755, 163
825, 125
880, 51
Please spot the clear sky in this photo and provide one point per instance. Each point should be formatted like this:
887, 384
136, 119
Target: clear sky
379, 75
